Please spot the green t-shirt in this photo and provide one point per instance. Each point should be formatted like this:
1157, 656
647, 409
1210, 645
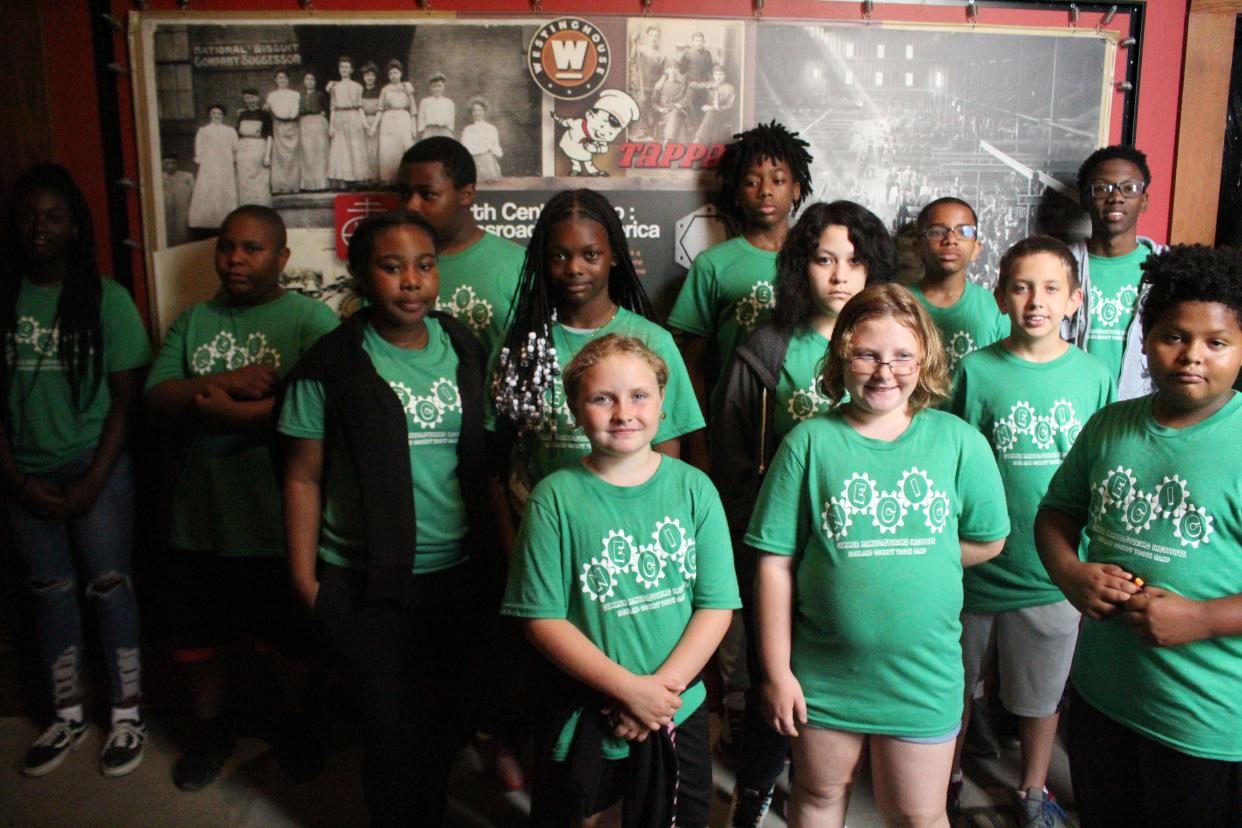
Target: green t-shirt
729, 291
477, 286
875, 526
626, 565
545, 454
1114, 289
974, 321
1030, 413
426, 383
47, 429
797, 387
1166, 505
226, 499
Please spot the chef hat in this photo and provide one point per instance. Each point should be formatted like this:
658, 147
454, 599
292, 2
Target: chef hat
618, 104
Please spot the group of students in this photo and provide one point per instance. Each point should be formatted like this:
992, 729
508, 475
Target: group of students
898, 478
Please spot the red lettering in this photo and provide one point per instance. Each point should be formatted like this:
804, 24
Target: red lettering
651, 152
694, 154
713, 156
671, 153
627, 154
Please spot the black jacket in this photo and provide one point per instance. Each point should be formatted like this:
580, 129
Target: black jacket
362, 410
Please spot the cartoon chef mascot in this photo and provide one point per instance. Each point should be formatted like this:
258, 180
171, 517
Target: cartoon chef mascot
589, 136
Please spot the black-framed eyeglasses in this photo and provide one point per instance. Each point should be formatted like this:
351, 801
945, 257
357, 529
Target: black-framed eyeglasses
1129, 189
901, 366
936, 232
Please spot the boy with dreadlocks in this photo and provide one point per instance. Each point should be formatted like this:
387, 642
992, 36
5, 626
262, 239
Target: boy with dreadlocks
765, 174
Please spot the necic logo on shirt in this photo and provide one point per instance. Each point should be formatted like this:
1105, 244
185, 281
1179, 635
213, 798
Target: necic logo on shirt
425, 412
762, 297
807, 402
42, 340
1118, 495
467, 307
887, 509
1110, 312
958, 346
1040, 430
225, 353
647, 564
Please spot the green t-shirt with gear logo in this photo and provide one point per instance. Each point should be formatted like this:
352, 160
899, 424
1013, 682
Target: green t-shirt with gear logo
797, 388
1030, 413
875, 527
47, 429
1164, 504
225, 498
729, 291
1113, 288
545, 453
626, 565
477, 286
974, 321
425, 381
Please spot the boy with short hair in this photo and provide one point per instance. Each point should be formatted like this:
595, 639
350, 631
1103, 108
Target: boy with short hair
214, 379
1155, 721
478, 270
1112, 186
948, 241
765, 175
1029, 395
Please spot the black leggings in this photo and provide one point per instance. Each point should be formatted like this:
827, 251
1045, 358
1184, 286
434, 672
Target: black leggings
412, 672
1123, 779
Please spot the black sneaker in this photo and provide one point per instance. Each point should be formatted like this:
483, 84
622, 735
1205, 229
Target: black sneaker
122, 752
50, 749
211, 742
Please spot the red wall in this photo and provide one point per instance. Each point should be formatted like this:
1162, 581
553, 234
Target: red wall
73, 104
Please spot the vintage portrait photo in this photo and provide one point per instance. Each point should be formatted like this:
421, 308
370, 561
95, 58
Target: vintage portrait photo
289, 114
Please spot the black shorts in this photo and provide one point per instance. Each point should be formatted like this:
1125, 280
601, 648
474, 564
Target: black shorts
1122, 779
694, 778
213, 601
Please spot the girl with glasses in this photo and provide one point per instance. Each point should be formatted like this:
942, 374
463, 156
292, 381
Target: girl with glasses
865, 520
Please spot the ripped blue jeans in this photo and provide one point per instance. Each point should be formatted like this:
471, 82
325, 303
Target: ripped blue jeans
83, 559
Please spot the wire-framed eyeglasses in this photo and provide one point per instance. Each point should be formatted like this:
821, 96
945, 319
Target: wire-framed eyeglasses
900, 366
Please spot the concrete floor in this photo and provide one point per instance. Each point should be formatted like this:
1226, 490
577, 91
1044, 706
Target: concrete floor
253, 791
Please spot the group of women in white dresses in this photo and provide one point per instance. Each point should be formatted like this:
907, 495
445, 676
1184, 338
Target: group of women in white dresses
343, 136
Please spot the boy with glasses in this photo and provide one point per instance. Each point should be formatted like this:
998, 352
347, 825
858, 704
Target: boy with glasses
948, 241
1113, 184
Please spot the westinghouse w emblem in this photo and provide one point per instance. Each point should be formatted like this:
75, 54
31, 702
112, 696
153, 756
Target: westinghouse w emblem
568, 58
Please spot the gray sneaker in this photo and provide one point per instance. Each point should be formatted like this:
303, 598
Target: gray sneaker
1038, 809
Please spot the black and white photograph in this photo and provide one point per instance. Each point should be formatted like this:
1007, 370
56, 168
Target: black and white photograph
686, 76
288, 115
896, 117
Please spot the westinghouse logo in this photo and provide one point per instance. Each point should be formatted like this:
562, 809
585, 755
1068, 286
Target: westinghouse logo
568, 58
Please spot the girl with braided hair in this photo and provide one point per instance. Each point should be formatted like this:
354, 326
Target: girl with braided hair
74, 351
578, 283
